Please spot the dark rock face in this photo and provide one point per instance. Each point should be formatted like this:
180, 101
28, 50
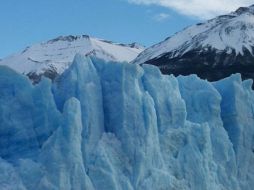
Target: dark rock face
69, 38
36, 78
211, 65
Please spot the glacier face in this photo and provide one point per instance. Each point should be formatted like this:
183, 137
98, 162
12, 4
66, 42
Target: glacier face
121, 126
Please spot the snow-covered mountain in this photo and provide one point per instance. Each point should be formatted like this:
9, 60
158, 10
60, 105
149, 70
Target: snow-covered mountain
213, 49
53, 57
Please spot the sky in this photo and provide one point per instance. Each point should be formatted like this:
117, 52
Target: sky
26, 22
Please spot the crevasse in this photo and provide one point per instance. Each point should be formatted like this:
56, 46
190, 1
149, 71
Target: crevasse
106, 125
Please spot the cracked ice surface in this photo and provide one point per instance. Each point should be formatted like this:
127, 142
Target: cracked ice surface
121, 126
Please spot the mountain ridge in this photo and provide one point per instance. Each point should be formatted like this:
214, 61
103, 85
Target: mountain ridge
52, 57
213, 50
190, 34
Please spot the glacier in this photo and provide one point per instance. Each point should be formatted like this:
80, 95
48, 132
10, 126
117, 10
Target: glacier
119, 126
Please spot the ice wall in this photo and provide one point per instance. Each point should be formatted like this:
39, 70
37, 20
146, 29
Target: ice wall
125, 127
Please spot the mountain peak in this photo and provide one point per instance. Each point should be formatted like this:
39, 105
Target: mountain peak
69, 38
55, 55
213, 49
242, 10
230, 33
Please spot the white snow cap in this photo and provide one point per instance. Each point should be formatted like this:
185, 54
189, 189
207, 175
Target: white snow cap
231, 33
58, 53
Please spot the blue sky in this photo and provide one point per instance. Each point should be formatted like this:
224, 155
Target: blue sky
25, 22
